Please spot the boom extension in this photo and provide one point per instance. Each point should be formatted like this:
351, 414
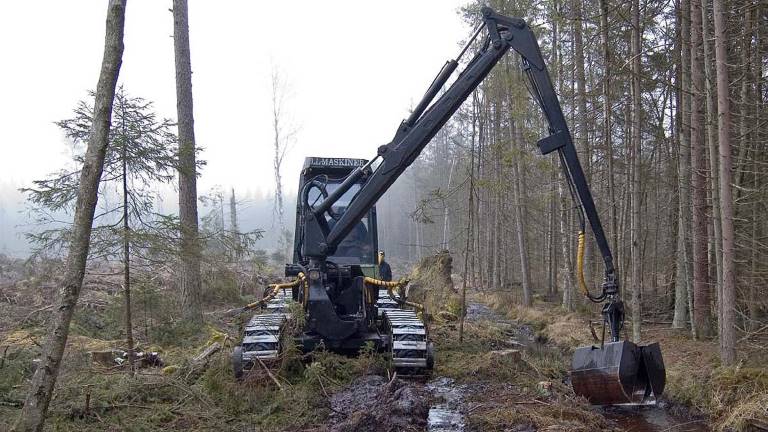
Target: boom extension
423, 123
639, 369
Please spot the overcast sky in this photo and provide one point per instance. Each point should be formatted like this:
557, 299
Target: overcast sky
354, 69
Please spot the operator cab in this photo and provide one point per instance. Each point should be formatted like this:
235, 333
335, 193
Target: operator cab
361, 244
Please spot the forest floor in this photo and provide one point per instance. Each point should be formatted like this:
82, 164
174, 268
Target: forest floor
510, 373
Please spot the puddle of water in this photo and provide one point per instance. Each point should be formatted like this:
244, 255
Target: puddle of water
446, 414
443, 420
651, 419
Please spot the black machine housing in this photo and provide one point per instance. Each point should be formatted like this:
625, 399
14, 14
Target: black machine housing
337, 313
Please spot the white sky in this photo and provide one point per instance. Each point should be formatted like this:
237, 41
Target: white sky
354, 68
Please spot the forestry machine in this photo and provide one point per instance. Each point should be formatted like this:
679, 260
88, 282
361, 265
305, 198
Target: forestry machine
345, 307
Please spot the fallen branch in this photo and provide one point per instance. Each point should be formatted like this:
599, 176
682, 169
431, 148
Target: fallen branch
29, 315
2, 360
753, 333
199, 364
271, 375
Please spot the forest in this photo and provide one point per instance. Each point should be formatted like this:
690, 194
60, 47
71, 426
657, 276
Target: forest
126, 314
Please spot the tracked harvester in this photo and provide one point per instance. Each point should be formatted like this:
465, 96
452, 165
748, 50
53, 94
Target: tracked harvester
346, 306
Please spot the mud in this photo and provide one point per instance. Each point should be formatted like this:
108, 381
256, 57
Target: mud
664, 416
371, 403
654, 418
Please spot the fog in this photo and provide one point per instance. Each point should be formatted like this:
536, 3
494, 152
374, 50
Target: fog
350, 80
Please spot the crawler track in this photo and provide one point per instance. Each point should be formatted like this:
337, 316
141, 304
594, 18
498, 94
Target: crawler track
262, 335
410, 348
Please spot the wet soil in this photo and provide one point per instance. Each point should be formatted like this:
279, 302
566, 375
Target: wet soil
663, 416
374, 403
448, 411
653, 418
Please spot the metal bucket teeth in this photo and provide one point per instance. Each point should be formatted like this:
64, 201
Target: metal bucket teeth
619, 373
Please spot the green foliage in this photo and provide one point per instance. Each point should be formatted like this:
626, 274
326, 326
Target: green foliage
107, 324
17, 367
260, 402
221, 286
176, 333
141, 150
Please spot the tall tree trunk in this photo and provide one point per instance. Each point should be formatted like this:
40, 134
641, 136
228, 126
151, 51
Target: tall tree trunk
728, 328
568, 278
127, 259
635, 167
683, 286
469, 245
713, 156
551, 238
446, 219
32, 417
234, 228
607, 145
701, 290
758, 107
191, 285
555, 215
742, 159
581, 118
519, 197
279, 147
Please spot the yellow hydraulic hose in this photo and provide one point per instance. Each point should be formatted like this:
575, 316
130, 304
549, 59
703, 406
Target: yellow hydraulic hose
580, 264
276, 289
305, 295
383, 283
393, 284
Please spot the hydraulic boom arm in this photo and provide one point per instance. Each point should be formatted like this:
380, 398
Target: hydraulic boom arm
414, 133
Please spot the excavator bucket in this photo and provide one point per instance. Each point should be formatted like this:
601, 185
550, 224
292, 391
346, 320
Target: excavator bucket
619, 373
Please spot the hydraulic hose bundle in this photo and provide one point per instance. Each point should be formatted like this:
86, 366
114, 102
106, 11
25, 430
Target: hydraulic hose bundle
390, 285
300, 279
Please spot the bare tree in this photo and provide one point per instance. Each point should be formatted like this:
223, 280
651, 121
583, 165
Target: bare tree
608, 148
728, 325
711, 136
283, 133
635, 184
519, 197
582, 121
470, 242
32, 417
683, 288
191, 284
701, 291
234, 227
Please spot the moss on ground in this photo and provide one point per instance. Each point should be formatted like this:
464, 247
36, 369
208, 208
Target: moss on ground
152, 400
733, 398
